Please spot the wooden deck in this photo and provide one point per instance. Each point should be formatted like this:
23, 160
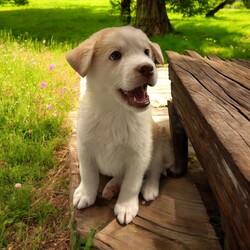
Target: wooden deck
177, 219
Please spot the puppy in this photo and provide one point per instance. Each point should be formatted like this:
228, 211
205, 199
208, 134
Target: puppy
115, 127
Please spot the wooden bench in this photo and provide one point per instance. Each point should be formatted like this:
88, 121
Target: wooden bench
211, 105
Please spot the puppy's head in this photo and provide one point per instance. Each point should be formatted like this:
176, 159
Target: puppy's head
119, 63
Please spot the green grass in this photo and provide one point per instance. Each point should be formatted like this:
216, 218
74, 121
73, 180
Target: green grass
226, 35
70, 21
38, 89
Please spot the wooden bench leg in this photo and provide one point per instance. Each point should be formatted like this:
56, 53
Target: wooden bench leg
230, 242
180, 142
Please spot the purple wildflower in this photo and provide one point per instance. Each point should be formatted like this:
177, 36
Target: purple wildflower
52, 66
49, 106
43, 85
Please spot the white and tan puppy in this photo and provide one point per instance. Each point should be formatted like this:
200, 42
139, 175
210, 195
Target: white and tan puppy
115, 128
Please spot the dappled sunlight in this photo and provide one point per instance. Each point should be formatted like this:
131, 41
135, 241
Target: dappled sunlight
70, 22
38, 89
217, 35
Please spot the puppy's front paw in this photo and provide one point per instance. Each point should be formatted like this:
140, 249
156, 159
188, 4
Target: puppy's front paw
150, 190
126, 211
81, 199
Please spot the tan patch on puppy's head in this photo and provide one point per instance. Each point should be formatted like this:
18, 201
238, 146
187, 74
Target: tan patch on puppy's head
80, 57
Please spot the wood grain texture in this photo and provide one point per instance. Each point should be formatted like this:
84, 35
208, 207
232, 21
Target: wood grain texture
177, 219
213, 100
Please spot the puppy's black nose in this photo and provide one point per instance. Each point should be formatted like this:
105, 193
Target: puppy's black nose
146, 70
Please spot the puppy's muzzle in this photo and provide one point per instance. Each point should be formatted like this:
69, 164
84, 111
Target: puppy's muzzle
138, 97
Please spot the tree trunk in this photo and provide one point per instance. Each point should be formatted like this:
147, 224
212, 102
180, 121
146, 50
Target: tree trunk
125, 11
151, 17
218, 7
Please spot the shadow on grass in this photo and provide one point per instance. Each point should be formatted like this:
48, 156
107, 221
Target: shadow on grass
59, 25
73, 25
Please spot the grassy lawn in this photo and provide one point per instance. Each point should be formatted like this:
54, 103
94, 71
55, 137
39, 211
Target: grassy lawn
37, 91
36, 95
227, 35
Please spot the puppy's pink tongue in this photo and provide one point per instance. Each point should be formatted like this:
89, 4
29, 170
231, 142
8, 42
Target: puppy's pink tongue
137, 97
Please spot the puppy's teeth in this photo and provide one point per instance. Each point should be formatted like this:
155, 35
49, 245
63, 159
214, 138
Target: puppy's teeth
134, 99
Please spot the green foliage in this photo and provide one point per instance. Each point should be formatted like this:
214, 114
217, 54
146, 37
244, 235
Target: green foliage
238, 5
210, 35
15, 2
79, 243
189, 7
198, 7
21, 2
115, 5
246, 3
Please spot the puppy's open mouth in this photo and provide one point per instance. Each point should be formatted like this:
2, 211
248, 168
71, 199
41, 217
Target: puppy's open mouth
137, 97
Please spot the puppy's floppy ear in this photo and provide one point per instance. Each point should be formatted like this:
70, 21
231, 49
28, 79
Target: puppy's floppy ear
157, 52
80, 57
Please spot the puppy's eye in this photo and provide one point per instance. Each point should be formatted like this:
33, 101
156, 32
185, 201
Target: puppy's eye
146, 52
116, 55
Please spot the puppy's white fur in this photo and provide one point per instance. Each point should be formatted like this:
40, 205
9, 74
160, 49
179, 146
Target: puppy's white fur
113, 137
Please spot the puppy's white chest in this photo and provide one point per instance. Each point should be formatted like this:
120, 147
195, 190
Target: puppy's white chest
113, 140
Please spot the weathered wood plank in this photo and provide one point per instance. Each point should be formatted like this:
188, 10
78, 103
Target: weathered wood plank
175, 220
214, 58
217, 105
241, 62
97, 216
193, 54
215, 115
236, 73
221, 87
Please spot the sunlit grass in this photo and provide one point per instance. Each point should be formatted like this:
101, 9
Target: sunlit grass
58, 21
70, 22
38, 89
227, 34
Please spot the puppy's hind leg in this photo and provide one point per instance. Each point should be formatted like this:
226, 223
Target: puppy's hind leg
112, 188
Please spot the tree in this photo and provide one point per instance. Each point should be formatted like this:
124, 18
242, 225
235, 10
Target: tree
125, 11
152, 18
247, 3
151, 15
218, 7
198, 7
16, 2
190, 7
